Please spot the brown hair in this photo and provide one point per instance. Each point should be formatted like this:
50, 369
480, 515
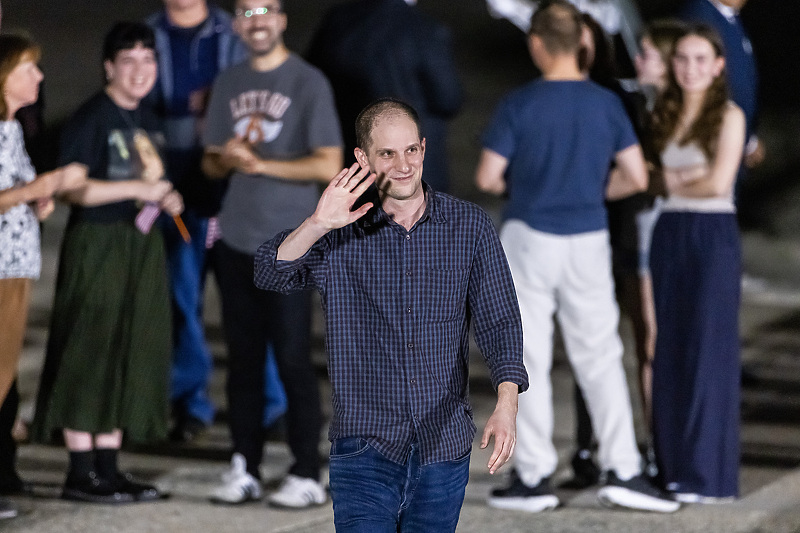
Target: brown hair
669, 106
558, 24
366, 120
664, 34
14, 49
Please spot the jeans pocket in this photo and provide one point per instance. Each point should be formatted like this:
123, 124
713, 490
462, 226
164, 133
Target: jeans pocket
348, 447
466, 457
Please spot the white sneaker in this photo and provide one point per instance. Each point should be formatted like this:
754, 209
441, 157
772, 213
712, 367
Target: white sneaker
298, 492
691, 497
237, 485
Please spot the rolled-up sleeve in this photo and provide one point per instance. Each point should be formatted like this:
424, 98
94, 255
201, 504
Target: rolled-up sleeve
495, 312
304, 273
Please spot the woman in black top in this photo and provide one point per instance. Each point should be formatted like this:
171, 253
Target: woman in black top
108, 355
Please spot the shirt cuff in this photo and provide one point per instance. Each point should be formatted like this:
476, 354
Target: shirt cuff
512, 373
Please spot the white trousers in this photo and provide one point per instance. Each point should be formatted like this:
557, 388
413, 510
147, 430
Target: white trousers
569, 276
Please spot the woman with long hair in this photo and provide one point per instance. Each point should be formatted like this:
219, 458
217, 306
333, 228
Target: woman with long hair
25, 198
108, 354
695, 263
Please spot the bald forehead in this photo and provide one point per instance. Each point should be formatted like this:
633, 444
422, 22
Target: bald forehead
392, 118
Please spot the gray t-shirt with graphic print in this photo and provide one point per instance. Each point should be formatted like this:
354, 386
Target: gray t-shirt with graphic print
284, 113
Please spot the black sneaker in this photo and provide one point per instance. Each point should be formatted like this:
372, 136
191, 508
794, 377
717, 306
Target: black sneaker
635, 493
187, 429
141, 492
650, 464
520, 497
585, 470
94, 489
12, 485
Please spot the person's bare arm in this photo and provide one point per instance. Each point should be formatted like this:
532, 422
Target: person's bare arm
333, 211
718, 178
489, 173
502, 425
319, 165
214, 164
630, 174
15, 196
47, 184
98, 192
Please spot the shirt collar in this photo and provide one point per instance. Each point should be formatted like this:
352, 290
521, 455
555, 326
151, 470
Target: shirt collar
432, 209
378, 216
727, 11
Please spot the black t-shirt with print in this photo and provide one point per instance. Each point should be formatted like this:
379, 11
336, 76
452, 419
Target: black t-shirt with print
101, 136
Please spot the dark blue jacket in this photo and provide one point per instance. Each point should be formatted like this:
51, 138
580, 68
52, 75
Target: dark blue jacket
184, 149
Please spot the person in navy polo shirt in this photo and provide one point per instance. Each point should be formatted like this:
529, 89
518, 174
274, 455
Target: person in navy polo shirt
550, 145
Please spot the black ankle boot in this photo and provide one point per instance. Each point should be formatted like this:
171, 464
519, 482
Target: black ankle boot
94, 489
141, 492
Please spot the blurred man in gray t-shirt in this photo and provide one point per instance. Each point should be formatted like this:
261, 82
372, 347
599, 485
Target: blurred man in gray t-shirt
271, 126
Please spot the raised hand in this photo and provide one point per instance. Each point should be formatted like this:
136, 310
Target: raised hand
334, 209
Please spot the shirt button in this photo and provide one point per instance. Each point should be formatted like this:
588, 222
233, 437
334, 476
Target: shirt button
413, 381
410, 345
408, 272
408, 237
408, 310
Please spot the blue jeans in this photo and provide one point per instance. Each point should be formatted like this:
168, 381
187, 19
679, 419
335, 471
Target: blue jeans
372, 494
192, 362
191, 358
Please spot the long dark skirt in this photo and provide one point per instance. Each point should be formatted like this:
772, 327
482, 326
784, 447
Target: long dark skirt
696, 267
108, 355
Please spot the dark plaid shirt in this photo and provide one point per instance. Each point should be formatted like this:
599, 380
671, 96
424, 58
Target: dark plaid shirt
398, 305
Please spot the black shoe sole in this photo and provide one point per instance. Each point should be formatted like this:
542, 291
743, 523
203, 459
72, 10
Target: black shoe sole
76, 495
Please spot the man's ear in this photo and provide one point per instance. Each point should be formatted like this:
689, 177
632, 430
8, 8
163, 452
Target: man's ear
361, 157
534, 41
108, 66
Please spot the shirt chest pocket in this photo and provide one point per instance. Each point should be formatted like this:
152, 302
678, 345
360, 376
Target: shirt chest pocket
446, 293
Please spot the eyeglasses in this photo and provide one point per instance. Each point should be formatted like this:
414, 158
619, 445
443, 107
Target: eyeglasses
247, 13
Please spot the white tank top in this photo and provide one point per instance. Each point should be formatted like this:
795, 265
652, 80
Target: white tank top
691, 154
